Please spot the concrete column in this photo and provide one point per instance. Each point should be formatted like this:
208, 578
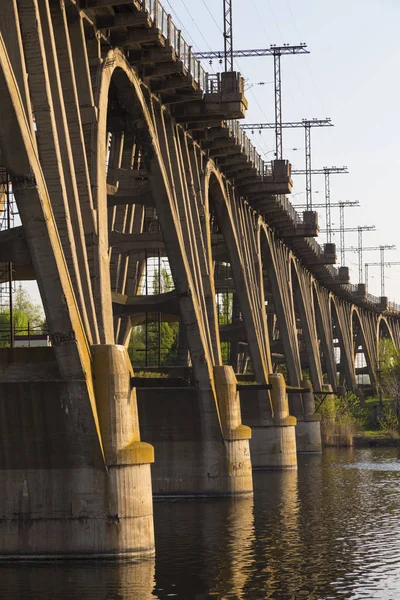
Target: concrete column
273, 443
128, 459
308, 429
200, 451
61, 497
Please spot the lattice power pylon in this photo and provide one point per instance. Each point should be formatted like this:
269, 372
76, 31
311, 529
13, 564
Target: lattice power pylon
276, 51
342, 230
308, 124
228, 35
327, 172
360, 249
382, 264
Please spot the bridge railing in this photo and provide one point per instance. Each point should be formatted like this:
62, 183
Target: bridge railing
393, 307
296, 217
373, 299
163, 21
317, 248
262, 167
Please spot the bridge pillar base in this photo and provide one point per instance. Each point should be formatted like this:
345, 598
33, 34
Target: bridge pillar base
65, 491
274, 446
308, 429
308, 437
197, 453
273, 442
77, 513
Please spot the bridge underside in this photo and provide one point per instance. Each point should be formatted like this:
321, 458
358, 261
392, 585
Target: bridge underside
142, 204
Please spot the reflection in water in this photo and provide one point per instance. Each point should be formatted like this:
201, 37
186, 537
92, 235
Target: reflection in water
214, 537
78, 580
329, 531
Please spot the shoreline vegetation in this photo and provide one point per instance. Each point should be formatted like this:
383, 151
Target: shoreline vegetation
374, 421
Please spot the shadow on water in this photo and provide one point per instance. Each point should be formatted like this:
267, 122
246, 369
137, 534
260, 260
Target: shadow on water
328, 531
78, 580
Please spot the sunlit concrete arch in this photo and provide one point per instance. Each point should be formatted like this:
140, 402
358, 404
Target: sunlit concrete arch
366, 341
303, 299
114, 67
20, 156
323, 321
383, 323
150, 128
239, 224
340, 314
276, 259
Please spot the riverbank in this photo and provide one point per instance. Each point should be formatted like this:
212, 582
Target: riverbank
375, 441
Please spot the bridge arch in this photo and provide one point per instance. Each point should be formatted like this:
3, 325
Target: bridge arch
342, 332
223, 210
360, 338
321, 304
275, 260
383, 330
115, 70
152, 135
301, 288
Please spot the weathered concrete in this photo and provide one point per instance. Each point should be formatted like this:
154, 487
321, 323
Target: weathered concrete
59, 497
192, 459
273, 443
308, 428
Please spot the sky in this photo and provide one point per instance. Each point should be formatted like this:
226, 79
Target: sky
350, 76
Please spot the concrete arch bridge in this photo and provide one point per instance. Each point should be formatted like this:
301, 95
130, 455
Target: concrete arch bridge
119, 147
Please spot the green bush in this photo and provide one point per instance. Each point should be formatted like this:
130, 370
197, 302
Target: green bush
389, 422
341, 418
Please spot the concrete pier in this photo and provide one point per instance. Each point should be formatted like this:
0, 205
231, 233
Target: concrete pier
273, 443
65, 491
308, 429
200, 449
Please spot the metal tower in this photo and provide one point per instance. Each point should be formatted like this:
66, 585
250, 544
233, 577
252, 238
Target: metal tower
275, 51
342, 230
308, 124
228, 35
360, 249
327, 171
382, 264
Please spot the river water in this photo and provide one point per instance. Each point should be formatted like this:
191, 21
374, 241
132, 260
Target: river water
330, 530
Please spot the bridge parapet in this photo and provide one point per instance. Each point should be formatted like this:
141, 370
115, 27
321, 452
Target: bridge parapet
172, 35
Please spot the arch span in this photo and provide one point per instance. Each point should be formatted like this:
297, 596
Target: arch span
321, 303
276, 261
235, 221
303, 302
341, 330
115, 71
362, 339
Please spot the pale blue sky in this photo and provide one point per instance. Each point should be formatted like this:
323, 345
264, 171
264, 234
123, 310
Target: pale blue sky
351, 76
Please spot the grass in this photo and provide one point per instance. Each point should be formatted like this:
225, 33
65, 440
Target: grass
373, 433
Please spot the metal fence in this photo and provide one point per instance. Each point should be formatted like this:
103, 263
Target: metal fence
173, 36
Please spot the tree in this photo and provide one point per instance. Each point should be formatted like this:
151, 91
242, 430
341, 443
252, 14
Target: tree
27, 317
155, 342
389, 378
224, 311
34, 312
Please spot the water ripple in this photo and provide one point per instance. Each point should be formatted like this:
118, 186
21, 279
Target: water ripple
330, 531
